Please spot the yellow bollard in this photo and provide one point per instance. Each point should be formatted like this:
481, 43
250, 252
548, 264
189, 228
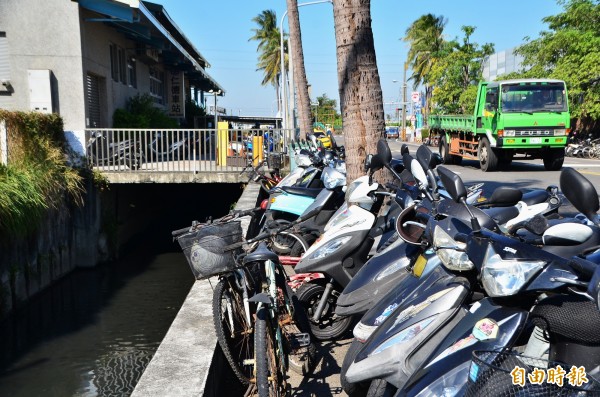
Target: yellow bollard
222, 142
257, 149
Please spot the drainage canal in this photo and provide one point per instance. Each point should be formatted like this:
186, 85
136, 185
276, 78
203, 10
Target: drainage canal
95, 330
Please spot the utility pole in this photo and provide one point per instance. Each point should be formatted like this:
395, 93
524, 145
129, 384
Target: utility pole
404, 102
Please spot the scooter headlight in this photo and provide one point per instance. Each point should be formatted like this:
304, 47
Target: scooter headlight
453, 259
449, 384
332, 178
506, 277
406, 335
393, 268
362, 332
329, 248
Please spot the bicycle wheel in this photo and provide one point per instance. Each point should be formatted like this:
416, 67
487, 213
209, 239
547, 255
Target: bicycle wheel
233, 331
269, 378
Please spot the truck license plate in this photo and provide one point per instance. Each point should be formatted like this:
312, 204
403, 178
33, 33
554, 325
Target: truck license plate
535, 140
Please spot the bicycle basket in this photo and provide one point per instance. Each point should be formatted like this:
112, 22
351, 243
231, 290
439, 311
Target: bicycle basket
498, 373
203, 248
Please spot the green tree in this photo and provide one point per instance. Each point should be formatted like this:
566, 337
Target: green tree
140, 112
457, 72
326, 110
268, 37
570, 51
425, 38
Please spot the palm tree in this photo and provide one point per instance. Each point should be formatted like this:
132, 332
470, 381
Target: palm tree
269, 48
361, 99
425, 37
300, 80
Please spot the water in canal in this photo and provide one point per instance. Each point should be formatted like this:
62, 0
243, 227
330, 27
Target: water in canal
94, 332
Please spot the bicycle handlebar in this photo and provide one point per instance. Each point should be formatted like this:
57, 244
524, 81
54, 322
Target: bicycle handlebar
266, 234
231, 216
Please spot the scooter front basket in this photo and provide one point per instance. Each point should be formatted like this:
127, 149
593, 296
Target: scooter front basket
508, 374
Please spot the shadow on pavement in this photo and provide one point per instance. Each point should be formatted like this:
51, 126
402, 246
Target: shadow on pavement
324, 380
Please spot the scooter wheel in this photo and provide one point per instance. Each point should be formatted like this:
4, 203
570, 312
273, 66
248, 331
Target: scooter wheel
330, 325
381, 388
352, 389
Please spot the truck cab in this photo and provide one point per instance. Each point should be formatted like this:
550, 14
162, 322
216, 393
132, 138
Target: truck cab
528, 117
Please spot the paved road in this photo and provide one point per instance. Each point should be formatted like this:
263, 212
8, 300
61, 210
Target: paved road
522, 174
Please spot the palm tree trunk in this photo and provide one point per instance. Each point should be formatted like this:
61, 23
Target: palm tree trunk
300, 80
361, 99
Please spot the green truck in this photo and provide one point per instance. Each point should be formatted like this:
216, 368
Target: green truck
528, 117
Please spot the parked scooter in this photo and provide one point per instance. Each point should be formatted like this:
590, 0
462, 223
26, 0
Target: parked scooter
114, 150
340, 252
449, 316
180, 146
385, 270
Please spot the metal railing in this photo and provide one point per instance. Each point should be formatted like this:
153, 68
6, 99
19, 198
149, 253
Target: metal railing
184, 150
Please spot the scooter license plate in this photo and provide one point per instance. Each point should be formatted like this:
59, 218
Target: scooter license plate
419, 266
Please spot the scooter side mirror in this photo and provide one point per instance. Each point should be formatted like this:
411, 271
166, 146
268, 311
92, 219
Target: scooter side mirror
581, 193
384, 152
426, 158
404, 149
453, 184
417, 170
368, 162
376, 163
457, 190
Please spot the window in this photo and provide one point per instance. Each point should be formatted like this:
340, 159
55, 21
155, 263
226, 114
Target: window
4, 64
491, 99
157, 87
118, 65
131, 68
114, 62
122, 66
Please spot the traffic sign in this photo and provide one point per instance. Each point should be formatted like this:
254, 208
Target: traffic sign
416, 96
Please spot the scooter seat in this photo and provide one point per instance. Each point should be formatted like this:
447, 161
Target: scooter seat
262, 253
501, 215
302, 191
535, 197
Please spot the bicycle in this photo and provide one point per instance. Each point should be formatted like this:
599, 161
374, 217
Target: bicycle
257, 341
266, 182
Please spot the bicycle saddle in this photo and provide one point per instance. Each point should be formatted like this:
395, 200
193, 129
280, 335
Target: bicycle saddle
262, 253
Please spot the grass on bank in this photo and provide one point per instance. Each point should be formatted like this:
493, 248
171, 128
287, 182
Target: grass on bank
37, 176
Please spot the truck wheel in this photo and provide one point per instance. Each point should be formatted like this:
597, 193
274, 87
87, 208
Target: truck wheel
554, 159
488, 160
445, 152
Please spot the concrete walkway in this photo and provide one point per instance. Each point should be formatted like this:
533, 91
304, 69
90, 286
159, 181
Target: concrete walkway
188, 363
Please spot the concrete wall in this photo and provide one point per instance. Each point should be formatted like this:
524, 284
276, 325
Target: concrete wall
44, 35
57, 35
69, 238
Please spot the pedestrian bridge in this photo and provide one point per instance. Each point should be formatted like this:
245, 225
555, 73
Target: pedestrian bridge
183, 155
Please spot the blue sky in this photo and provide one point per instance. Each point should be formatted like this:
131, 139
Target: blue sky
220, 30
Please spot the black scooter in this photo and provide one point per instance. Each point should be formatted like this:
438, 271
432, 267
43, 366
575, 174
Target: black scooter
487, 307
